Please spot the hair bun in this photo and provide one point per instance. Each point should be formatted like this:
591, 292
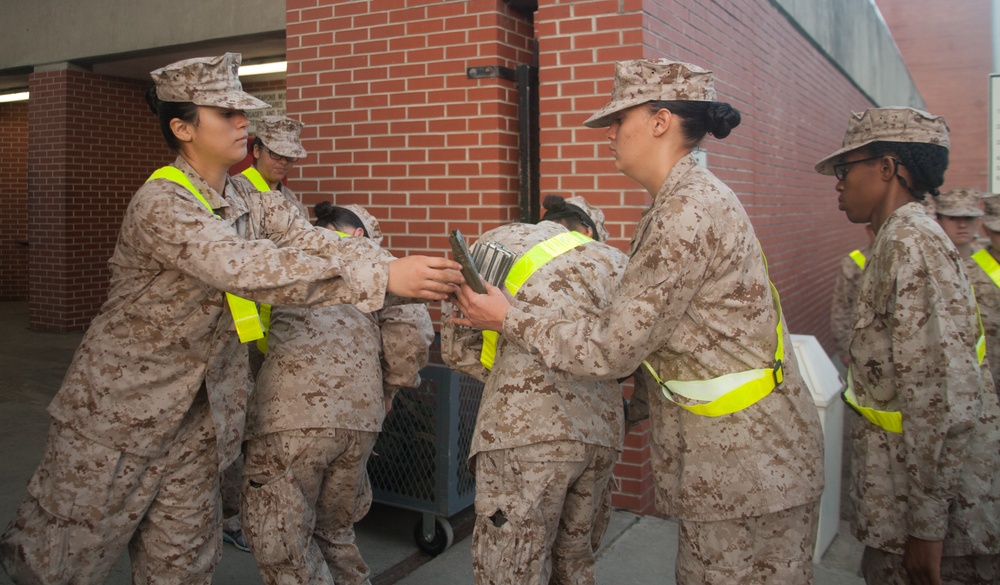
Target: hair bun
151, 100
721, 118
323, 210
554, 203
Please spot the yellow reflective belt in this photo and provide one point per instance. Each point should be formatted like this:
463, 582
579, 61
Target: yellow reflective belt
858, 258
257, 179
891, 421
521, 271
981, 341
248, 325
731, 392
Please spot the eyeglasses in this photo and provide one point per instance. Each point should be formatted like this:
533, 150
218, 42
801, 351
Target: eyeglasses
277, 157
840, 170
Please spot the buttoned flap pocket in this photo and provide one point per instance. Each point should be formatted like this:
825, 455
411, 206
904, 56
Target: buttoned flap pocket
871, 355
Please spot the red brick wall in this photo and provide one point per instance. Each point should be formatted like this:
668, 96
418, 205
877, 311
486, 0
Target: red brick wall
14, 201
92, 143
948, 48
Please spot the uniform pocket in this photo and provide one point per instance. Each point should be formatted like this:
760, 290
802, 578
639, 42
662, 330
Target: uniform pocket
277, 521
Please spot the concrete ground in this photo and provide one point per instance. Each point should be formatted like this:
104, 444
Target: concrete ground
637, 550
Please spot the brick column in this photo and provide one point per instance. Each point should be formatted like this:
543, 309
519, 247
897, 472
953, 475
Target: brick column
92, 141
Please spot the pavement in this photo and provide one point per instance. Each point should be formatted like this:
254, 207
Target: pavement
636, 550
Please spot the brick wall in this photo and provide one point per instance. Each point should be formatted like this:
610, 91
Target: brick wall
14, 201
92, 143
952, 73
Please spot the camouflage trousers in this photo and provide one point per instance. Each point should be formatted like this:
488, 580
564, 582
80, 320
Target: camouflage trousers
86, 503
773, 548
886, 568
231, 484
541, 511
302, 493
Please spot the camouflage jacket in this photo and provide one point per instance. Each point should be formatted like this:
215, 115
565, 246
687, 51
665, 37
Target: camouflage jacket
243, 184
913, 351
845, 295
525, 402
695, 302
988, 298
166, 331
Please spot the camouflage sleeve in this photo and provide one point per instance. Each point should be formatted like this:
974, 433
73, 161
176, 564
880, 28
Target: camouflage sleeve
663, 275
937, 378
297, 265
845, 295
461, 347
407, 334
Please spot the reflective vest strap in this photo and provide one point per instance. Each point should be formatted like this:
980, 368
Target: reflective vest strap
858, 258
257, 179
981, 341
884, 419
265, 323
539, 254
988, 263
245, 316
731, 392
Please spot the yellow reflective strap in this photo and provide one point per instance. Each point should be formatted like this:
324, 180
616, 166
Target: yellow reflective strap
265, 321
489, 352
539, 254
257, 179
884, 419
858, 258
981, 341
248, 325
988, 263
730, 393
342, 234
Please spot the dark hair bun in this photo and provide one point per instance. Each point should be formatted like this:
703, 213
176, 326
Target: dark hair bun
721, 118
554, 203
151, 100
323, 210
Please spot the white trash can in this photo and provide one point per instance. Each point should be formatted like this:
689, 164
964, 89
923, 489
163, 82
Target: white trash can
825, 385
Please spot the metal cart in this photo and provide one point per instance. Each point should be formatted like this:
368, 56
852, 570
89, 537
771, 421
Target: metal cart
422, 452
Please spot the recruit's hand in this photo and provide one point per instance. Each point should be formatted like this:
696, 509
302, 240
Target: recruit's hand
922, 560
480, 311
424, 277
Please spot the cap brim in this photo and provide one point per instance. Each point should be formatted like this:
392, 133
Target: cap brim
232, 100
606, 115
298, 152
964, 212
825, 166
992, 223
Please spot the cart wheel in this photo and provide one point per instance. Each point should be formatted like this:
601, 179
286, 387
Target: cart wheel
442, 539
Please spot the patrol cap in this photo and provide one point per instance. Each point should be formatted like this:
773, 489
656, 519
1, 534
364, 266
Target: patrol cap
643, 80
369, 220
892, 124
280, 135
991, 220
205, 81
595, 214
959, 203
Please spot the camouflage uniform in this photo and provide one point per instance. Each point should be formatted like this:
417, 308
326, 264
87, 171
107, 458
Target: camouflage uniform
153, 403
845, 294
695, 302
545, 444
988, 299
312, 423
913, 352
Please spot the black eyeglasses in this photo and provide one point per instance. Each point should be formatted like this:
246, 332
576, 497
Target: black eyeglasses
277, 157
840, 170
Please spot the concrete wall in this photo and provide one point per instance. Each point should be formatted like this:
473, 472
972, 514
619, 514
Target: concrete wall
50, 31
853, 35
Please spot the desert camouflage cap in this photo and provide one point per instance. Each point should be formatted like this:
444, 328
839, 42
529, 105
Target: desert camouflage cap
959, 203
991, 220
594, 213
371, 223
205, 81
280, 135
892, 124
643, 80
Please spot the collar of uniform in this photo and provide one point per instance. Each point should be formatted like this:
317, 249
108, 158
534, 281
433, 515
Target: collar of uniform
216, 200
683, 166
